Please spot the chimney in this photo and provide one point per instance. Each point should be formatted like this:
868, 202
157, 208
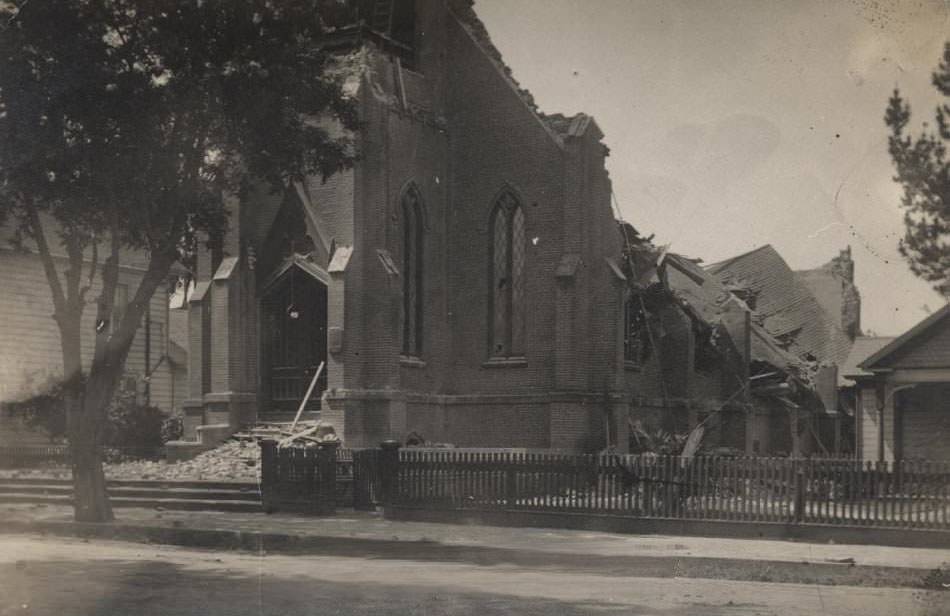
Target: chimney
843, 265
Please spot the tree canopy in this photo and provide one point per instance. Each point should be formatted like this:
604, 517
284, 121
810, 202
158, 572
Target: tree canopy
125, 125
923, 171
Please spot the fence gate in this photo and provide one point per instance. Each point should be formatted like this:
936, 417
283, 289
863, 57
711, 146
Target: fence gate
366, 485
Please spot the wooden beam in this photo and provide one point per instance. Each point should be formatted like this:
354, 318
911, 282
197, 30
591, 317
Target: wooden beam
306, 398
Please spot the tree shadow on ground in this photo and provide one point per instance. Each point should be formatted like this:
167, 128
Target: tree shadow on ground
161, 588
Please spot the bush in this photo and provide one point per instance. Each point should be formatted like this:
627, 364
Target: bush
41, 411
172, 429
132, 425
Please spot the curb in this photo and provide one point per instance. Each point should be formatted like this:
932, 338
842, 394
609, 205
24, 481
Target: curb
264, 544
726, 529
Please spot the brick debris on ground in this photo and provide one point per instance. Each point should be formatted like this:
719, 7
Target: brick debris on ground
232, 461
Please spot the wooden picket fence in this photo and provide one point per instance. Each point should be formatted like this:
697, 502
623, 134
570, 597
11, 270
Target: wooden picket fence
32, 456
754, 489
300, 479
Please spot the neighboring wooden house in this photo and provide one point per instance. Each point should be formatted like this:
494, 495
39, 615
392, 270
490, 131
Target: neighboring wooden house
701, 356
903, 394
30, 349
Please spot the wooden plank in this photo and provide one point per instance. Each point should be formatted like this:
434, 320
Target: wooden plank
306, 398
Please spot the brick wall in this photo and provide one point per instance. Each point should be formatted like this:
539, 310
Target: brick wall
459, 130
497, 142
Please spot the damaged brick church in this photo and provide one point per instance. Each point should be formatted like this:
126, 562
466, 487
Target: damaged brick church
466, 280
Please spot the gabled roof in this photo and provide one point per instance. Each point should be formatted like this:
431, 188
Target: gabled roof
557, 125
903, 341
863, 348
302, 263
704, 297
786, 306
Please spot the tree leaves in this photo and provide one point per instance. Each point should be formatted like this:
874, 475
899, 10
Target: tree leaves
922, 169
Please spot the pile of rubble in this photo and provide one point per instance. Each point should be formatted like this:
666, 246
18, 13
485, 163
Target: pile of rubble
232, 461
238, 459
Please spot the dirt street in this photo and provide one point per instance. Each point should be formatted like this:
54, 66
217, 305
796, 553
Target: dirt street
47, 576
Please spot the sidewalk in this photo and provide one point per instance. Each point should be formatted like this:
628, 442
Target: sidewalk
362, 534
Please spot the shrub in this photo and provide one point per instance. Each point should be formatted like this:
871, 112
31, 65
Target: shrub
132, 425
172, 429
43, 411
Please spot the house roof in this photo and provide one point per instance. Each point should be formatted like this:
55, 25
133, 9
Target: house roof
699, 291
785, 305
766, 349
705, 297
904, 340
862, 349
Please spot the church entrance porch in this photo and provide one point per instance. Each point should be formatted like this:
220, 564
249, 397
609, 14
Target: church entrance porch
293, 309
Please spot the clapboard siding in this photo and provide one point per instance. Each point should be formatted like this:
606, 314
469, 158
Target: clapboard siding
30, 351
925, 422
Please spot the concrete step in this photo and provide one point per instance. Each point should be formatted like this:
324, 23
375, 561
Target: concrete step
131, 492
233, 506
242, 486
172, 495
286, 417
214, 434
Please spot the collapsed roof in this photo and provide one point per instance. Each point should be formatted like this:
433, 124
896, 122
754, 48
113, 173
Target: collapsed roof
784, 306
708, 300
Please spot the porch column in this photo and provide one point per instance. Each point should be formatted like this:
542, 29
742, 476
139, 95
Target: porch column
888, 445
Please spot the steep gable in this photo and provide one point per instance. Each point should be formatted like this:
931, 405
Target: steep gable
926, 345
787, 308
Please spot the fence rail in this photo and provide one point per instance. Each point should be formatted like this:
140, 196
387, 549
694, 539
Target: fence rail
811, 491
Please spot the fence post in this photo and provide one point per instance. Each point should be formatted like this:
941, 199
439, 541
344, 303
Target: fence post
389, 471
326, 477
799, 495
269, 474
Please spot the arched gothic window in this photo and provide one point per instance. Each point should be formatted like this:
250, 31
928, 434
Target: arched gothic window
507, 293
413, 229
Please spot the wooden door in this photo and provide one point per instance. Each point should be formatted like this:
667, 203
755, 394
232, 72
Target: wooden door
294, 313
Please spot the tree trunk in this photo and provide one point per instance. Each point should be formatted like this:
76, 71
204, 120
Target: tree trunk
90, 499
84, 429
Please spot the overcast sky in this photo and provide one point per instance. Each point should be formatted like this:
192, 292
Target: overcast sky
737, 124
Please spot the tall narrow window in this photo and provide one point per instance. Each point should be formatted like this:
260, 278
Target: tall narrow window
412, 270
507, 278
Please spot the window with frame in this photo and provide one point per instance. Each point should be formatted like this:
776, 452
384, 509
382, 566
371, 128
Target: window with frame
412, 271
636, 336
507, 293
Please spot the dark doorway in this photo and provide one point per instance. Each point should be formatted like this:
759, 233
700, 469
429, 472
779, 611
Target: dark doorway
293, 340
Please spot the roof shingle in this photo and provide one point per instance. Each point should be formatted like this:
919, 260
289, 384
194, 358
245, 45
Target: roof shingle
787, 309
